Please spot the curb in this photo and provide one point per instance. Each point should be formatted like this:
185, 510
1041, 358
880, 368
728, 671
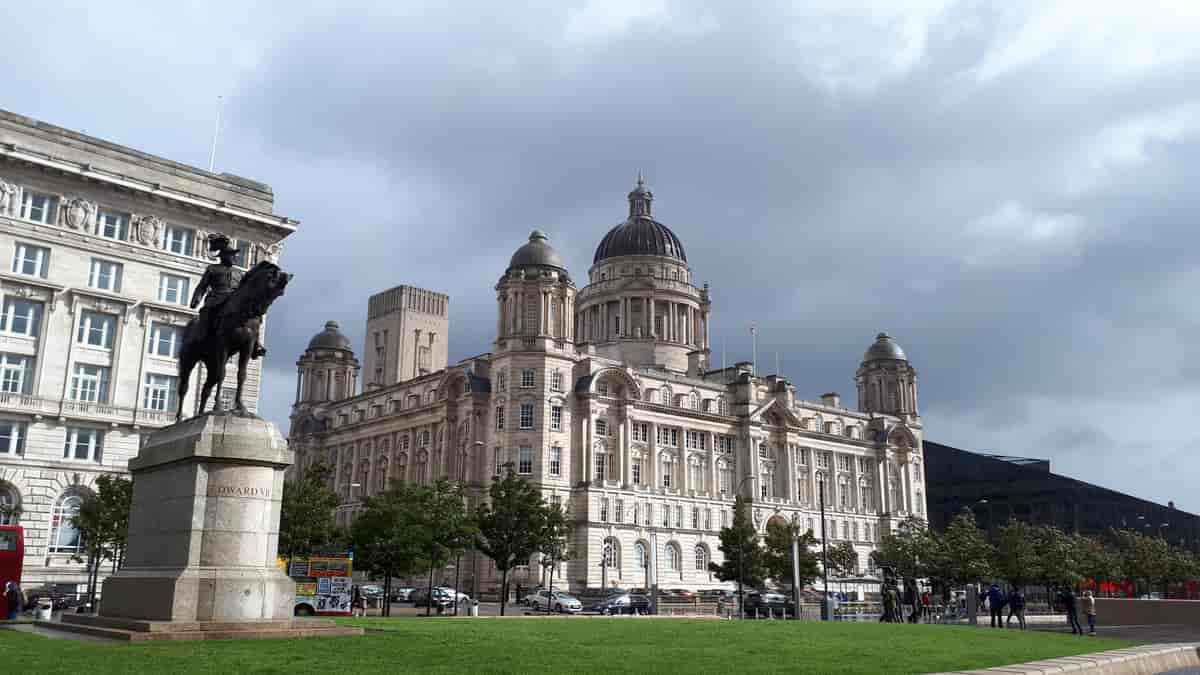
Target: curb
1143, 660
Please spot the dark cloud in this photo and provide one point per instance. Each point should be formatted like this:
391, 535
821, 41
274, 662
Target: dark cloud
1006, 193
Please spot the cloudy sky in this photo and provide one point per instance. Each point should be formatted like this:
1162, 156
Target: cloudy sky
1007, 188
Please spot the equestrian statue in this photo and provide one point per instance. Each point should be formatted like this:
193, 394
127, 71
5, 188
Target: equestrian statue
228, 323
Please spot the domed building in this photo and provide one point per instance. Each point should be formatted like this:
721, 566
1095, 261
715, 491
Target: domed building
604, 397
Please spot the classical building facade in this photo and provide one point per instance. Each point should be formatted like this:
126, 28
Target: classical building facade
604, 397
103, 248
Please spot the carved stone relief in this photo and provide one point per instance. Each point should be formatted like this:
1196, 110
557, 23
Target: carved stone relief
78, 213
8, 198
149, 230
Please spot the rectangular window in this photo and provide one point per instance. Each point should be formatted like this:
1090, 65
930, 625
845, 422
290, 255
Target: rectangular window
556, 383
96, 329
804, 456
173, 289
862, 465
84, 444
854, 530
668, 436
724, 519
604, 509
161, 392
678, 516
90, 383
636, 470
556, 501
105, 275
16, 374
556, 418
525, 460
31, 260
725, 444
666, 515
555, 461
695, 518
526, 415
499, 418
38, 207
602, 389
497, 462
527, 378
843, 462
637, 513
708, 519
822, 460
601, 468
165, 340
112, 225
601, 428
641, 431
21, 317
668, 467
618, 511
502, 381
845, 530
12, 437
179, 239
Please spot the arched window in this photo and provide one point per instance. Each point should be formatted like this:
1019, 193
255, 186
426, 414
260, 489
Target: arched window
693, 401
639, 555
665, 394
701, 558
671, 558
612, 554
64, 537
9, 504
402, 467
722, 406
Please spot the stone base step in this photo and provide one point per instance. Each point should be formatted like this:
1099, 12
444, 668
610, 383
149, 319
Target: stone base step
129, 631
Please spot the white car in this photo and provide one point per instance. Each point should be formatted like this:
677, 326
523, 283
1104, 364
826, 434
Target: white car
463, 598
563, 603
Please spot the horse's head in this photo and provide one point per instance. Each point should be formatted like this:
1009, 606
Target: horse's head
261, 286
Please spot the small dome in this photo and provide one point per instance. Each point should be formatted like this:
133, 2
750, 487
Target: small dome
330, 338
884, 348
537, 253
640, 234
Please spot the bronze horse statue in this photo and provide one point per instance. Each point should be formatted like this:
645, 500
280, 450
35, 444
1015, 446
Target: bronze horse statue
232, 330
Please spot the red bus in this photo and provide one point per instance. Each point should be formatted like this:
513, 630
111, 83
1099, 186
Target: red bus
12, 555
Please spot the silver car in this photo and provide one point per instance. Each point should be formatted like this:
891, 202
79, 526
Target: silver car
563, 603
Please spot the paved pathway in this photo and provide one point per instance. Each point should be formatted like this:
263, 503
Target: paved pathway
1143, 634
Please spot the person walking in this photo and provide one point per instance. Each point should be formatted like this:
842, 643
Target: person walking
1016, 606
995, 600
12, 597
357, 603
926, 605
1089, 608
1068, 600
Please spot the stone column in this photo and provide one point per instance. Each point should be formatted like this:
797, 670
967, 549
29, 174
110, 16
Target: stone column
884, 498
790, 474
712, 463
588, 440
626, 450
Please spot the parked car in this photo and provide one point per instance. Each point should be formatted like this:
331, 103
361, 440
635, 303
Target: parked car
625, 603
371, 591
767, 602
58, 599
558, 601
438, 599
403, 594
681, 595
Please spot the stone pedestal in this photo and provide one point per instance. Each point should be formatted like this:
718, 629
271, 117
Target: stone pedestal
203, 536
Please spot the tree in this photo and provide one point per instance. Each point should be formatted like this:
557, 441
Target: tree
909, 550
103, 525
1096, 560
843, 559
1016, 560
509, 526
306, 513
390, 535
1058, 566
552, 542
743, 555
447, 526
963, 553
777, 554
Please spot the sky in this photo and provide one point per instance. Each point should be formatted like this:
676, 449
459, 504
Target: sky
1008, 189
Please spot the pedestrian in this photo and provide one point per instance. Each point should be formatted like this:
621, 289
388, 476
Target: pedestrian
1068, 600
357, 603
1016, 606
995, 601
926, 605
12, 597
1089, 608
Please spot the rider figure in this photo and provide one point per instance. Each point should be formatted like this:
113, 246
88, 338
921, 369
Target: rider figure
218, 283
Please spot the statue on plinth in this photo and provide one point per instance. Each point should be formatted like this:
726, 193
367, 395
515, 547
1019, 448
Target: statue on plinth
229, 322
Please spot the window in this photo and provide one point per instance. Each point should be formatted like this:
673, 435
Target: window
637, 513
64, 537
526, 415
844, 494
762, 449
8, 505
31, 260
804, 456
639, 556
665, 395
693, 401
105, 275
854, 530
179, 239
666, 515
498, 462
672, 558
502, 381
696, 475
173, 289
862, 465
636, 470
766, 483
423, 438
556, 418
38, 207
525, 460
161, 392
668, 436
695, 518
604, 509
865, 497
96, 329
556, 461
21, 317
556, 381
499, 418
602, 388
722, 406
84, 444
112, 225
16, 374
694, 440
556, 501
822, 460
843, 462
12, 437
701, 559
600, 470
668, 468
725, 478
618, 511
601, 428
724, 519
845, 530
678, 516
527, 378
725, 444
641, 431
90, 383
802, 490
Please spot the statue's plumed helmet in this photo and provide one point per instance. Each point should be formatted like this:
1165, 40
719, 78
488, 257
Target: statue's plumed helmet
219, 243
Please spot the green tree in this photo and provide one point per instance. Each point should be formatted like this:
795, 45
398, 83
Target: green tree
777, 554
1096, 560
963, 553
552, 541
447, 524
1056, 553
390, 535
510, 525
103, 525
843, 559
1016, 559
909, 550
306, 513
743, 554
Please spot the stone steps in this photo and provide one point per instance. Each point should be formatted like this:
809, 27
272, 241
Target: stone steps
127, 630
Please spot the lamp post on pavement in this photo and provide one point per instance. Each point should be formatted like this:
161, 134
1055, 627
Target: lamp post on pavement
741, 553
824, 552
462, 479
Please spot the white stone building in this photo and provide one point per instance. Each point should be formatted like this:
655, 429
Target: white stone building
605, 398
102, 247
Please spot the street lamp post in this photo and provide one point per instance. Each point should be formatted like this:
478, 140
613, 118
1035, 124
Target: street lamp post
824, 552
462, 479
741, 554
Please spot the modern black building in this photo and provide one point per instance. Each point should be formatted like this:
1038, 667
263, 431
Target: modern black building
998, 487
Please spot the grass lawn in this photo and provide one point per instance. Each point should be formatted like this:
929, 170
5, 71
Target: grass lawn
569, 645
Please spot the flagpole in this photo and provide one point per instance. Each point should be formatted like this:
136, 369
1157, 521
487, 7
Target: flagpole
754, 357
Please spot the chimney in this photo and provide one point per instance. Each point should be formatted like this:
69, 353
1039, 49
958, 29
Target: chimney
1171, 505
832, 399
697, 363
